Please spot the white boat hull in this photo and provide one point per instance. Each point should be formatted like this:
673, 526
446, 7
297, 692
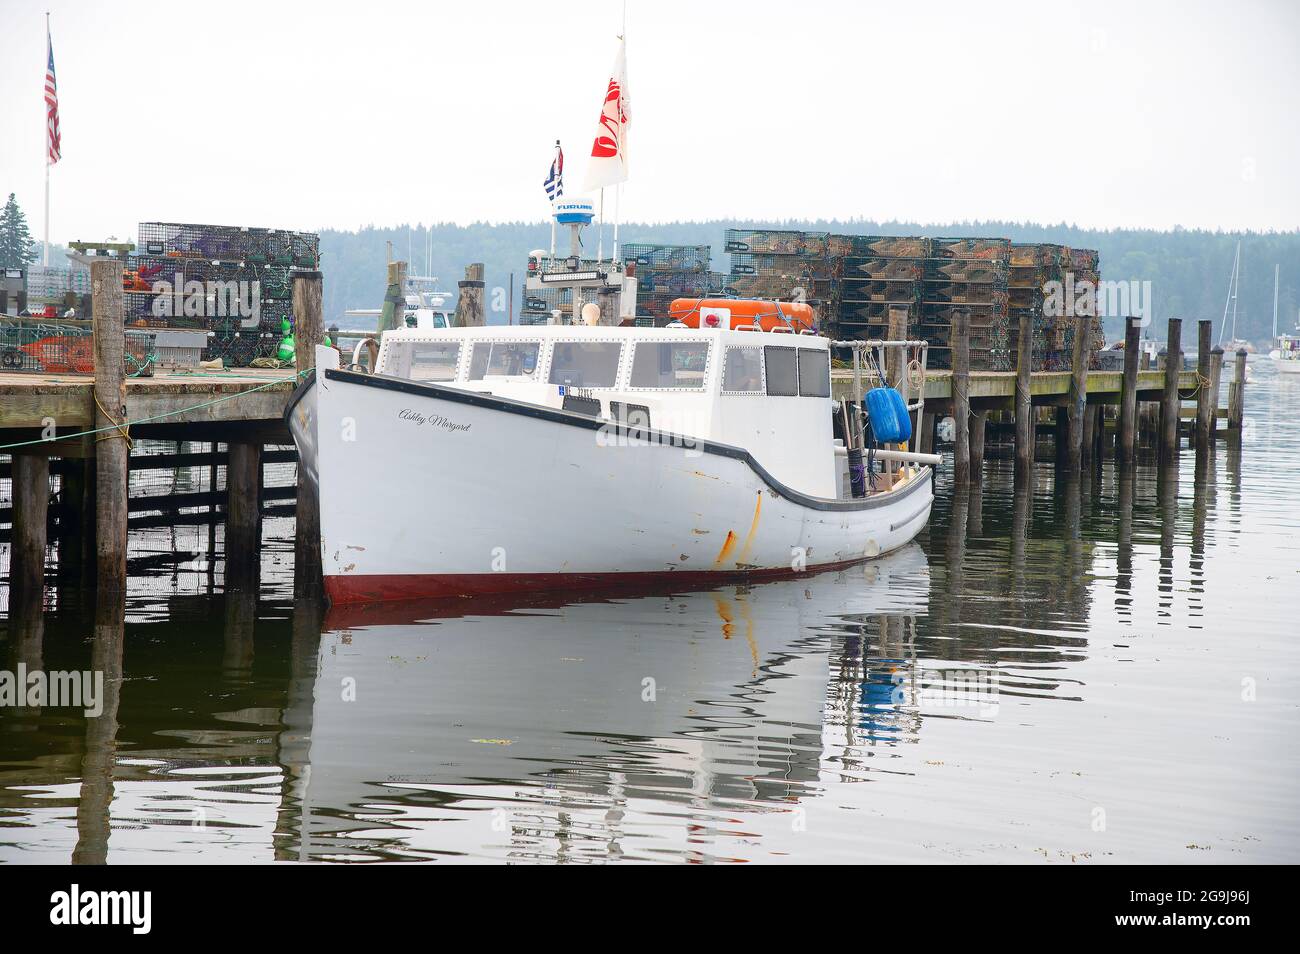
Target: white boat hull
1287, 365
428, 490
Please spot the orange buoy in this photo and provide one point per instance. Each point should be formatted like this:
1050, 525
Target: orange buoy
742, 313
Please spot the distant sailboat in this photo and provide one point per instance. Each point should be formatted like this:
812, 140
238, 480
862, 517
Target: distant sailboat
1286, 348
1234, 343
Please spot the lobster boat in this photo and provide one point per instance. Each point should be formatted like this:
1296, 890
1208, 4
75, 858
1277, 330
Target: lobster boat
508, 459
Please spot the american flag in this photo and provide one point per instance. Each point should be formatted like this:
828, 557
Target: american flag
555, 178
52, 105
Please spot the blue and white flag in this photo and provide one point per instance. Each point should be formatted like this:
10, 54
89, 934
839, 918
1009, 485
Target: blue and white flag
555, 178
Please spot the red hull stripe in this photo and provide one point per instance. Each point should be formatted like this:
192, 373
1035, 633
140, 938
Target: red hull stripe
412, 586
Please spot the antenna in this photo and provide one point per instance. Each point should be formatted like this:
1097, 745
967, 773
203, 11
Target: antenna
1277, 271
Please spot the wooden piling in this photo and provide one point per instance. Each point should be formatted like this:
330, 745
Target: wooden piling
72, 529
1204, 409
307, 556
959, 343
1091, 421
243, 515
1060, 436
1216, 376
1128, 395
1170, 405
112, 447
469, 307
31, 497
1077, 409
895, 362
1237, 394
929, 420
1024, 402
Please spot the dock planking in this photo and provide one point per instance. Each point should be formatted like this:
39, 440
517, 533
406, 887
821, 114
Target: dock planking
170, 399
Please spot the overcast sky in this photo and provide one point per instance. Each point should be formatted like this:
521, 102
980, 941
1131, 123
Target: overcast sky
310, 115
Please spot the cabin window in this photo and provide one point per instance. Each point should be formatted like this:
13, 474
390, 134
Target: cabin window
423, 360
514, 358
782, 369
742, 371
814, 372
670, 364
585, 364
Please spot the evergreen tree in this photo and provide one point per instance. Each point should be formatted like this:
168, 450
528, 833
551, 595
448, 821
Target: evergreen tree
16, 247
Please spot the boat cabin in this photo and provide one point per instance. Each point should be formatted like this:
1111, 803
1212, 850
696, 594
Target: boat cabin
766, 392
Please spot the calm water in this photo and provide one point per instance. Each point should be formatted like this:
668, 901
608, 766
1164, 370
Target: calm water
1104, 672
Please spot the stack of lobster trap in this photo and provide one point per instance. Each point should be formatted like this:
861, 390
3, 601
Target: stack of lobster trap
1042, 278
970, 275
666, 272
235, 284
786, 265
857, 281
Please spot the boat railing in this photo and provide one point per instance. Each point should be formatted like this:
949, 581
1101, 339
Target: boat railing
909, 365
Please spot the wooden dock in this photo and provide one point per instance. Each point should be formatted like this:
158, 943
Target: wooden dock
86, 425
173, 405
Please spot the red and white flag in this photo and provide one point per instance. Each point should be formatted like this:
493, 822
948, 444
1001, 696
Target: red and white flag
608, 164
51, 106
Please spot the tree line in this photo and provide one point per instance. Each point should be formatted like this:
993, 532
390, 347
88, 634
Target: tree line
1189, 269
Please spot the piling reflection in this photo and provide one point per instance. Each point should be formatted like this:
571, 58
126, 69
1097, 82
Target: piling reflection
100, 755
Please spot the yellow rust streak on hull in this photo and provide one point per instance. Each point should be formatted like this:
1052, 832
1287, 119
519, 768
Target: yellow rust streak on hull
728, 545
753, 529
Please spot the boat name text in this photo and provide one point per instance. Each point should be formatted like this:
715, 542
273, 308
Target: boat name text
436, 420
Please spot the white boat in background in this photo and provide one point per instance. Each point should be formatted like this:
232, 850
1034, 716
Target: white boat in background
1286, 354
511, 459
1286, 348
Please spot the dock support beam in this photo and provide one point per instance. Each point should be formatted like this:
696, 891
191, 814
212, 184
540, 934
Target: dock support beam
31, 497
112, 447
243, 515
1128, 396
1024, 404
959, 342
1170, 405
308, 333
1237, 394
1077, 409
1204, 409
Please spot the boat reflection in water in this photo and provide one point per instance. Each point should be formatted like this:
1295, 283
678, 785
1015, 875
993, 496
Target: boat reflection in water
540, 726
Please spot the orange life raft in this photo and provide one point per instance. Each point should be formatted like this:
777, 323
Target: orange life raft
744, 313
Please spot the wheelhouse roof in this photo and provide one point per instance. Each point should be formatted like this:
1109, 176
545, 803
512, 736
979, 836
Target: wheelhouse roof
569, 332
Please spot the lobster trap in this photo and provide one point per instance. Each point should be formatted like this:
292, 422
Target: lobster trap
66, 348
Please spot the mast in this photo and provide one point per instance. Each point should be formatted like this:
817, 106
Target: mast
1236, 291
1277, 271
1232, 294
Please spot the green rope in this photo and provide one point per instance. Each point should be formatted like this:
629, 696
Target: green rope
155, 417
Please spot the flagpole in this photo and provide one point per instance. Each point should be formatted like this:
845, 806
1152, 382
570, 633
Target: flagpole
45, 251
600, 242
